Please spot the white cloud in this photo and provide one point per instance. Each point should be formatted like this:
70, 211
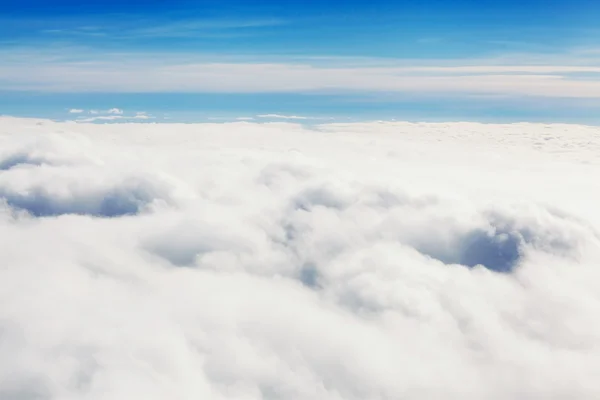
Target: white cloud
278, 116
506, 76
101, 118
139, 115
111, 111
75, 111
252, 261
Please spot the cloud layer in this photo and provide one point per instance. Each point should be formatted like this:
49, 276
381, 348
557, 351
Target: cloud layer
567, 77
271, 261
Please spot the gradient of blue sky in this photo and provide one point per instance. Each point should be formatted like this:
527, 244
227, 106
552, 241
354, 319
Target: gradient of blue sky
432, 59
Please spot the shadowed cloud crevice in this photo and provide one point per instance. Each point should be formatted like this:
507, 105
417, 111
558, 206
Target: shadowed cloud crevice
19, 159
124, 199
497, 251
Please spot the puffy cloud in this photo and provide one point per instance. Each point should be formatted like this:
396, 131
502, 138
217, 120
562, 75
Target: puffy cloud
265, 261
138, 115
75, 111
115, 111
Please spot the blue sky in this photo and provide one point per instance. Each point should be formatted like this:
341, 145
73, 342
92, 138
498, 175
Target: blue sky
432, 60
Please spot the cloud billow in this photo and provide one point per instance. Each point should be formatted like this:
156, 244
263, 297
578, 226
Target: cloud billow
43, 182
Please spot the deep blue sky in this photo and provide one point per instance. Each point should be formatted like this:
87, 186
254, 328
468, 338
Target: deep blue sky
59, 54
374, 27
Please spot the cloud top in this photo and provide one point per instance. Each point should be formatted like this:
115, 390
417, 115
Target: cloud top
251, 261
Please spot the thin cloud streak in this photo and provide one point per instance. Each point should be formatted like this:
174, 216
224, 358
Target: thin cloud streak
129, 72
200, 28
265, 78
132, 30
278, 116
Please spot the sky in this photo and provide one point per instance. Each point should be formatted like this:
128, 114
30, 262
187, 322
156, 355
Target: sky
299, 200
433, 60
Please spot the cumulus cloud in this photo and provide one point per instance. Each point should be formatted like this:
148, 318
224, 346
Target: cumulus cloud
75, 111
267, 261
115, 111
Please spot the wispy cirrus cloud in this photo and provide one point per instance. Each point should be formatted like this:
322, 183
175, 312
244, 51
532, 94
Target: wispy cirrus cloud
77, 31
202, 27
154, 29
557, 77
